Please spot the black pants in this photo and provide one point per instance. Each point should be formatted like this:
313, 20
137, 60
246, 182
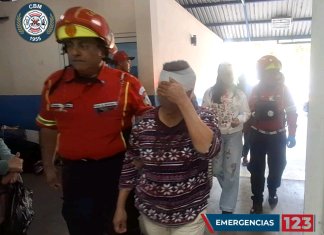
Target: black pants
246, 145
90, 191
274, 146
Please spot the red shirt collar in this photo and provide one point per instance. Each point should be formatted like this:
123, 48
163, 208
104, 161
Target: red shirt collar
70, 74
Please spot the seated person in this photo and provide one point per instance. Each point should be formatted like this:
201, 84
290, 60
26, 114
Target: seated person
15, 139
10, 167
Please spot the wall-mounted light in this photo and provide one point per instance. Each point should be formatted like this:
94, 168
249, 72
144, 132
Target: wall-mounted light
3, 18
193, 40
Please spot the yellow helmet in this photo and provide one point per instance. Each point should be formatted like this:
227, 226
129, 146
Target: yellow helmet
269, 62
81, 22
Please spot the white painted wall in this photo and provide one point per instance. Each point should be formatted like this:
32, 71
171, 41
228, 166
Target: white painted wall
163, 27
314, 186
24, 65
170, 27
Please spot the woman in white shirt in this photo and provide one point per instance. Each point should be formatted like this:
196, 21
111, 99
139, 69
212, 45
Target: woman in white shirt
231, 108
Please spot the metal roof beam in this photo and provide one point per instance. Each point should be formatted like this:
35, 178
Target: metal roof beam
246, 19
254, 22
211, 4
274, 38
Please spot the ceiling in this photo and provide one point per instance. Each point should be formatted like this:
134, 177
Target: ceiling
251, 20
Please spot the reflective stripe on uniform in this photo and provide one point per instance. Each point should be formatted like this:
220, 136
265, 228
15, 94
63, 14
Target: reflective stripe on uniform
125, 102
45, 122
268, 132
125, 106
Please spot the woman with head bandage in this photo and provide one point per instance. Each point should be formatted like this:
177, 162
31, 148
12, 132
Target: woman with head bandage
186, 77
172, 146
232, 110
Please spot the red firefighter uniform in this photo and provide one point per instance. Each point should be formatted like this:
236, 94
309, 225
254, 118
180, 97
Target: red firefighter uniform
91, 118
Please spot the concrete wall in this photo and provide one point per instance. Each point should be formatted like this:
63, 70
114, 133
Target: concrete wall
160, 30
24, 65
170, 27
314, 186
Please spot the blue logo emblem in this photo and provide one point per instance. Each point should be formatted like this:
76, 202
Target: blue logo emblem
35, 22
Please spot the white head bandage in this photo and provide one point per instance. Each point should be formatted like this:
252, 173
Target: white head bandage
186, 77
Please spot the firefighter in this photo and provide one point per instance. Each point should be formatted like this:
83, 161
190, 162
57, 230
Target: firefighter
272, 107
85, 118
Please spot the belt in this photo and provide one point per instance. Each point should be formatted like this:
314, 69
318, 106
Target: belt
269, 132
90, 160
80, 160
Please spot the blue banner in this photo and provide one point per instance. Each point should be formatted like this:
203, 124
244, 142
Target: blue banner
242, 222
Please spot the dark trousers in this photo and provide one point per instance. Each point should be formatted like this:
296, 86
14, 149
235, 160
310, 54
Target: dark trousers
4, 205
274, 146
246, 145
90, 191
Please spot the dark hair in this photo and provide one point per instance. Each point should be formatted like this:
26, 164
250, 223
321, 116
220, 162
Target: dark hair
176, 65
103, 46
100, 43
219, 89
